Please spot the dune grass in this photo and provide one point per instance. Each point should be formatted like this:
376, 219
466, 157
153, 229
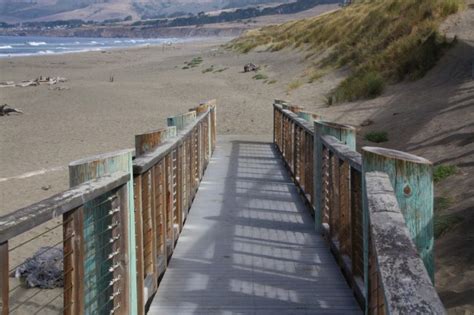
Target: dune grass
260, 76
441, 172
382, 41
377, 136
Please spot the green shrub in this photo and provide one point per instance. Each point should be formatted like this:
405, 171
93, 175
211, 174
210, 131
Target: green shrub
443, 171
377, 137
260, 76
272, 81
210, 69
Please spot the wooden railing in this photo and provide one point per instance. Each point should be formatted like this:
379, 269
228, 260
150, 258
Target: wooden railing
114, 230
91, 237
324, 163
167, 171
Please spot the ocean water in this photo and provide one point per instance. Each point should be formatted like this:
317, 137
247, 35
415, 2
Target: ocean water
12, 46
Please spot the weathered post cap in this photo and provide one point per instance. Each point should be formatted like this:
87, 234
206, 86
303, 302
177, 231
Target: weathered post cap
396, 155
100, 157
280, 102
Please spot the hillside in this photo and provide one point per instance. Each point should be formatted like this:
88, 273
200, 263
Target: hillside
401, 71
48, 10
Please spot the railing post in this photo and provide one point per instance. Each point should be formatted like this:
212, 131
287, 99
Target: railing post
95, 167
344, 133
4, 281
73, 245
412, 180
137, 192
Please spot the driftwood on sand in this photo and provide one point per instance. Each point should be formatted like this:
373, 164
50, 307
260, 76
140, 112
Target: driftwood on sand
6, 110
38, 81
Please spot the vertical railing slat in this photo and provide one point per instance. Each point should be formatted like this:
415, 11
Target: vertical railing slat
4, 281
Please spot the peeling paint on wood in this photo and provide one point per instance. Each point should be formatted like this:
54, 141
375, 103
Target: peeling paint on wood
412, 180
27, 218
91, 168
407, 285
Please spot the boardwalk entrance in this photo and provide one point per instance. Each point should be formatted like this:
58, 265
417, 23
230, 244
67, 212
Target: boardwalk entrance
249, 244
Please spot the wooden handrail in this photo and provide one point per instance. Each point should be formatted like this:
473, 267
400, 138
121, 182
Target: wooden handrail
120, 219
166, 179
406, 285
29, 217
329, 172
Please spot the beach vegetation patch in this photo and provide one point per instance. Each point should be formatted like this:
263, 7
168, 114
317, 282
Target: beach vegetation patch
441, 172
260, 76
294, 85
367, 85
381, 42
196, 61
221, 70
377, 136
210, 69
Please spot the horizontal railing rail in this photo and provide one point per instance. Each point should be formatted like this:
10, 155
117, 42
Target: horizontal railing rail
101, 246
329, 172
397, 260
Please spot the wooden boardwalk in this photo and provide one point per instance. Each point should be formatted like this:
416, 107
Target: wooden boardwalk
249, 245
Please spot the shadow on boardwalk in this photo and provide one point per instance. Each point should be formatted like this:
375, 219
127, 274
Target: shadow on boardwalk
249, 246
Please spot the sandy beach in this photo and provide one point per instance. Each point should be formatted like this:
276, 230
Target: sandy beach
92, 115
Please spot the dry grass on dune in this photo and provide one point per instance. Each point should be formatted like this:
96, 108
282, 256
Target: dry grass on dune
383, 41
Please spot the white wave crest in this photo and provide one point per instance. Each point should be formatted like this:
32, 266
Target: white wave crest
6, 47
36, 43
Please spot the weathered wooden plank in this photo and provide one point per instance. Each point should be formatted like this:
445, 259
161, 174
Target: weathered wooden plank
125, 273
343, 133
182, 121
406, 283
97, 262
4, 277
343, 151
38, 213
309, 116
146, 142
412, 179
137, 182
73, 236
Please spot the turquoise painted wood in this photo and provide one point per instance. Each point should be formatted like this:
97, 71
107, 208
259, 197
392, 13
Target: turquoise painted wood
308, 116
148, 141
412, 180
96, 263
344, 133
181, 121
